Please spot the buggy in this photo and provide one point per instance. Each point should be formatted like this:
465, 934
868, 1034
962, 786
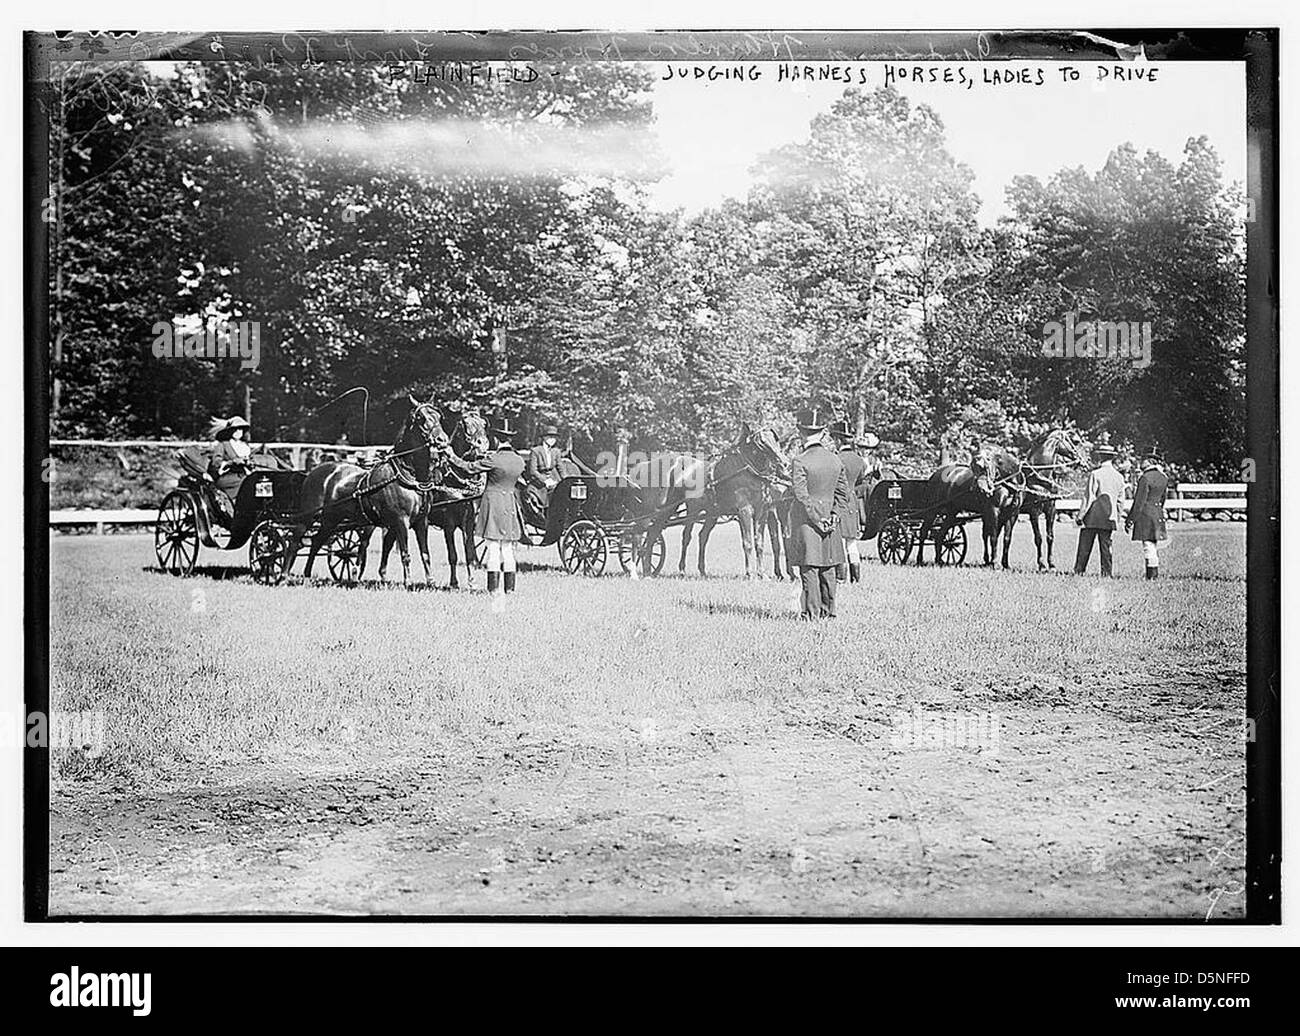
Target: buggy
897, 510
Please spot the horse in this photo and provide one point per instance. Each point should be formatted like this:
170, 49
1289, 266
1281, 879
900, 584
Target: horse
949, 491
391, 495
1059, 450
737, 483
999, 484
469, 440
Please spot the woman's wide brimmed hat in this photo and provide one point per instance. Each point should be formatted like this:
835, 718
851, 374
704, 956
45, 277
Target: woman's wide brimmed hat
502, 427
813, 419
867, 440
225, 429
550, 429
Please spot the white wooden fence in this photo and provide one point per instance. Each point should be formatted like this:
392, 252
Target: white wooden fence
1190, 498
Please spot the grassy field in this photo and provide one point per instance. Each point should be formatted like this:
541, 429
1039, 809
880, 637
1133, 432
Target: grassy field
673, 745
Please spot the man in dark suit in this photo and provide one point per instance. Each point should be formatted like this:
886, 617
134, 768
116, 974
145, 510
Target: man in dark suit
1146, 515
498, 521
855, 471
821, 495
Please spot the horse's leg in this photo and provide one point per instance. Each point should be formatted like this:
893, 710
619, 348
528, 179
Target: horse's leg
1008, 527
1038, 537
773, 524
389, 540
759, 525
688, 524
927, 523
745, 516
420, 523
449, 540
706, 528
402, 534
1049, 521
324, 530
471, 545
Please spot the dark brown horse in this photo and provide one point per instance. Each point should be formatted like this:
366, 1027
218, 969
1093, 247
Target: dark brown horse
1049, 461
469, 441
999, 483
738, 483
391, 495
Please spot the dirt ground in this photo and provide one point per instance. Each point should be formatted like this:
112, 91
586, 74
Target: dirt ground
1111, 789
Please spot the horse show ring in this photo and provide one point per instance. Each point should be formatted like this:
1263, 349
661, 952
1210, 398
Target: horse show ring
958, 742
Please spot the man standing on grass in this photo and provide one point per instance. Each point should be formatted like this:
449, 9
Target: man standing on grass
1099, 512
821, 493
498, 521
1146, 516
855, 469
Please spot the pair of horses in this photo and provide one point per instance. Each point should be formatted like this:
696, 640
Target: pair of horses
999, 488
410, 486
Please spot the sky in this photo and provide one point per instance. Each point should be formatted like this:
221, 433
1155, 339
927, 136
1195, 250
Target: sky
711, 132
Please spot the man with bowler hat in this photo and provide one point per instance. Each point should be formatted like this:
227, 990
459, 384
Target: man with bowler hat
1099, 512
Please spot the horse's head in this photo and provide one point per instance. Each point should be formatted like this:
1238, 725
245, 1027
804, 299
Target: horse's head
423, 430
1066, 447
470, 438
762, 448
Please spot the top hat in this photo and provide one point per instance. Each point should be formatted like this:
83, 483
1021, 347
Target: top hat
842, 430
225, 429
1151, 453
503, 428
550, 429
811, 420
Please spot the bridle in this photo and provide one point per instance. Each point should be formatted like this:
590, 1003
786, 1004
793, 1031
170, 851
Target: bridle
403, 474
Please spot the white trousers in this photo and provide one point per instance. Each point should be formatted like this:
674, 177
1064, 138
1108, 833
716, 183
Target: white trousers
851, 552
1150, 554
500, 556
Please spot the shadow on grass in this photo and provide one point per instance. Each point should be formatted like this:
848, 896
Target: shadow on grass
749, 611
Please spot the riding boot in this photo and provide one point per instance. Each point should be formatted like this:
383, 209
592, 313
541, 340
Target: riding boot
855, 573
1153, 572
841, 572
509, 579
493, 579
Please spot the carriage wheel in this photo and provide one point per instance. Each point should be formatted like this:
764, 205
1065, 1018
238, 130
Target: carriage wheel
347, 555
952, 548
630, 556
268, 553
176, 534
894, 542
584, 549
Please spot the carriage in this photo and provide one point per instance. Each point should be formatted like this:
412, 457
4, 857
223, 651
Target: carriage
260, 513
594, 517
898, 509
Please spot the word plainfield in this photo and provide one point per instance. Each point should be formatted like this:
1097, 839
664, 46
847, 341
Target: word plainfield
73, 989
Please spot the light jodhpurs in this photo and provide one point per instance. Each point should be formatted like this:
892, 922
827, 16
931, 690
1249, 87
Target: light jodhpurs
500, 556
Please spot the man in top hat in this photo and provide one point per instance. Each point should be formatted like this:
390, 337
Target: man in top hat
498, 521
543, 472
821, 495
855, 472
1146, 515
1099, 512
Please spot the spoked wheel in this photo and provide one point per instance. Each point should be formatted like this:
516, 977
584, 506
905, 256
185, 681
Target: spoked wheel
268, 553
630, 556
894, 543
347, 555
176, 534
952, 548
584, 549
